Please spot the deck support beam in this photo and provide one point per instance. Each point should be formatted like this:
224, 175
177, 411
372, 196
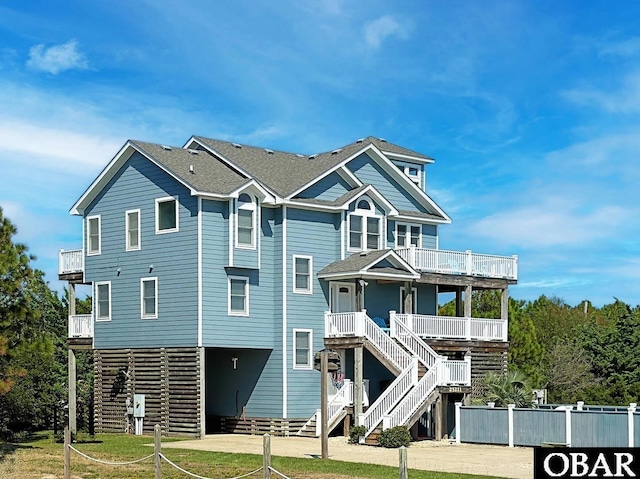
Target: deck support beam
468, 293
504, 303
72, 366
407, 299
358, 374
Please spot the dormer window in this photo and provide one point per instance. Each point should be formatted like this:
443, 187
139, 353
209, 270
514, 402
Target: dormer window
364, 227
408, 235
245, 225
411, 171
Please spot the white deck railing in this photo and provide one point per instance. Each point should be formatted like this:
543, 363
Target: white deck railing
453, 327
385, 403
461, 262
411, 402
81, 326
71, 261
400, 331
342, 399
339, 325
451, 372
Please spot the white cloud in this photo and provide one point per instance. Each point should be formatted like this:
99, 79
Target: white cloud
551, 223
55, 148
379, 30
623, 99
57, 58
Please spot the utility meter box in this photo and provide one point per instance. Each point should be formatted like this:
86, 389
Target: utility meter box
138, 405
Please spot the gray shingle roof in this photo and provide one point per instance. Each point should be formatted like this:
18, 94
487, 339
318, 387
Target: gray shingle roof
210, 175
337, 202
268, 166
356, 263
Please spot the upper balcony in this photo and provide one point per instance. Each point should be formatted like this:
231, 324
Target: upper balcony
461, 263
71, 265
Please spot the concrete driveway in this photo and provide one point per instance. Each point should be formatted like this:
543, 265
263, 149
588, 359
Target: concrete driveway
497, 461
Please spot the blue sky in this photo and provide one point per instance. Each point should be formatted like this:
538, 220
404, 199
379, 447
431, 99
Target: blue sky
531, 110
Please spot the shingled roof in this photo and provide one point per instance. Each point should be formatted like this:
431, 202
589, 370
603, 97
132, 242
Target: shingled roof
366, 264
209, 175
285, 172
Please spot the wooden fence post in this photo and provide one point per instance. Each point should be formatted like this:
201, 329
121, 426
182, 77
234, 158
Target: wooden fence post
157, 449
404, 471
266, 456
67, 452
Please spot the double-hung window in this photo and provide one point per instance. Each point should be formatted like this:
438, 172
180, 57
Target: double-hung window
132, 227
246, 222
302, 347
408, 235
238, 296
149, 298
103, 301
365, 227
94, 236
302, 274
167, 215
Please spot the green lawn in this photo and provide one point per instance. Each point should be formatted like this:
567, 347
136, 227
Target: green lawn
40, 456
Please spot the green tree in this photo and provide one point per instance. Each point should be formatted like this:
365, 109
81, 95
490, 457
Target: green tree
28, 311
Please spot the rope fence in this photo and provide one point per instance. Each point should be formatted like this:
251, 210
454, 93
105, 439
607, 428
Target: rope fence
158, 457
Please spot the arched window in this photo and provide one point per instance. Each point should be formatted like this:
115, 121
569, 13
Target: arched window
245, 225
365, 231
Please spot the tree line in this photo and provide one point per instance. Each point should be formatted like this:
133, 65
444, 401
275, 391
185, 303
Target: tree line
33, 346
576, 352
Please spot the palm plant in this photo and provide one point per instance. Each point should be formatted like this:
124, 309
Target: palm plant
510, 388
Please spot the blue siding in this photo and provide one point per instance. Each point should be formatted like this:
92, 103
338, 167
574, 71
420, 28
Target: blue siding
328, 188
379, 299
173, 256
429, 236
369, 172
219, 328
314, 234
254, 384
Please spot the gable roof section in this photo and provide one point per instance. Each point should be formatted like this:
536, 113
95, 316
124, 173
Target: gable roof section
288, 174
365, 265
210, 177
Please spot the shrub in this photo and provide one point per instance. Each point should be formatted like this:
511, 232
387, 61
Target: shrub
356, 433
395, 437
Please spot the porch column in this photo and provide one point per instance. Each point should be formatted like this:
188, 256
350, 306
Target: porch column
407, 300
71, 365
358, 375
467, 301
504, 303
459, 308
359, 288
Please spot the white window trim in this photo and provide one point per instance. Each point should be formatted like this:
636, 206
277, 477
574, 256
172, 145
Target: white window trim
364, 214
99, 250
96, 296
126, 230
148, 316
414, 304
408, 226
162, 200
246, 294
253, 207
305, 367
308, 290
405, 167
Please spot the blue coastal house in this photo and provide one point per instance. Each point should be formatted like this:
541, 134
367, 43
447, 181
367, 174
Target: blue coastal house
219, 270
